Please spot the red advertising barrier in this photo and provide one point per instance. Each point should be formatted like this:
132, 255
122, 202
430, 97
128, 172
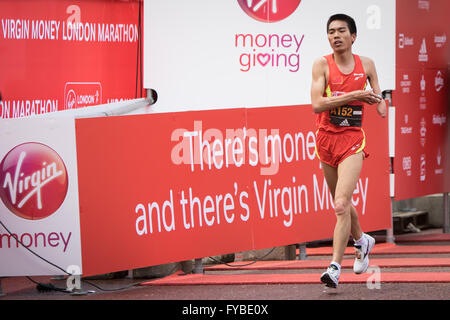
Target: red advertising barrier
421, 99
57, 55
146, 201
422, 34
421, 131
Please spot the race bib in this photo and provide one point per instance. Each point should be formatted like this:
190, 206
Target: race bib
346, 116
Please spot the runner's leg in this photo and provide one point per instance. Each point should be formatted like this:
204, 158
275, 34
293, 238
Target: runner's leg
331, 176
355, 229
348, 175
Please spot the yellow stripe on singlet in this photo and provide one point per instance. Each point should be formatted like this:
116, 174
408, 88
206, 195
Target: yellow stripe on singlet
328, 91
315, 146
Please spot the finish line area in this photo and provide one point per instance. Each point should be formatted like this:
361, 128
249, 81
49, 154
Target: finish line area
401, 269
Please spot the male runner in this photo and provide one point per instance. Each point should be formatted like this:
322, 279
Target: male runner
338, 93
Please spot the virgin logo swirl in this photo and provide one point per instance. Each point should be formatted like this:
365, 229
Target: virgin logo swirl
33, 181
269, 10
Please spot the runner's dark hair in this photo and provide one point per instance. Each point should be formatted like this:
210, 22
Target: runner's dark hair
343, 17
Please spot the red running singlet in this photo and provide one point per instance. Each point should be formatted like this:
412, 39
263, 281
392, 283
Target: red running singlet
340, 132
349, 116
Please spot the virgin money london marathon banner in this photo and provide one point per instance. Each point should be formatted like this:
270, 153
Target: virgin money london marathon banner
421, 99
203, 54
39, 197
57, 55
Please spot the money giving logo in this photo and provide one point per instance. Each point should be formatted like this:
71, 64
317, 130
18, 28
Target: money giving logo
268, 50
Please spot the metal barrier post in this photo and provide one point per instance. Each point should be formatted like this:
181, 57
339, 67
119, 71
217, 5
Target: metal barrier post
1, 291
446, 214
130, 274
390, 235
388, 96
198, 267
302, 251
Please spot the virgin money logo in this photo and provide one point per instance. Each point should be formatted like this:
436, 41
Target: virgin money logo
71, 100
82, 94
33, 181
269, 10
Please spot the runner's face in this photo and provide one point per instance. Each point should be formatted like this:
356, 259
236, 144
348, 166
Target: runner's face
339, 36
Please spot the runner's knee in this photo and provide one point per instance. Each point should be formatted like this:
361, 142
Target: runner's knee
341, 206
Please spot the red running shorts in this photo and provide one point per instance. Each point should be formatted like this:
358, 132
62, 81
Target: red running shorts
333, 148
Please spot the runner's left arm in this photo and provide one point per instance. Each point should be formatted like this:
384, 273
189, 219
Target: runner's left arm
373, 80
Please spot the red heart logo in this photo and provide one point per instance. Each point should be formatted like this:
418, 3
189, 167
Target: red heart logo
263, 58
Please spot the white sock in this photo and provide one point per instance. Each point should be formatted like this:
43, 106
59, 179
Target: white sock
361, 240
337, 265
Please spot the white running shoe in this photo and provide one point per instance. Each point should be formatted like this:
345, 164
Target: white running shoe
362, 254
331, 276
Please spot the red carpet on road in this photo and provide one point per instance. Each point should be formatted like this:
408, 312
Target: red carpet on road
384, 248
348, 276
307, 278
433, 237
320, 264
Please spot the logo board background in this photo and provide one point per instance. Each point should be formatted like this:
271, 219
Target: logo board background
195, 67
56, 237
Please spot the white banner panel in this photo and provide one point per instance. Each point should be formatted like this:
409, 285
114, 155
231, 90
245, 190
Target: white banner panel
39, 197
203, 54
